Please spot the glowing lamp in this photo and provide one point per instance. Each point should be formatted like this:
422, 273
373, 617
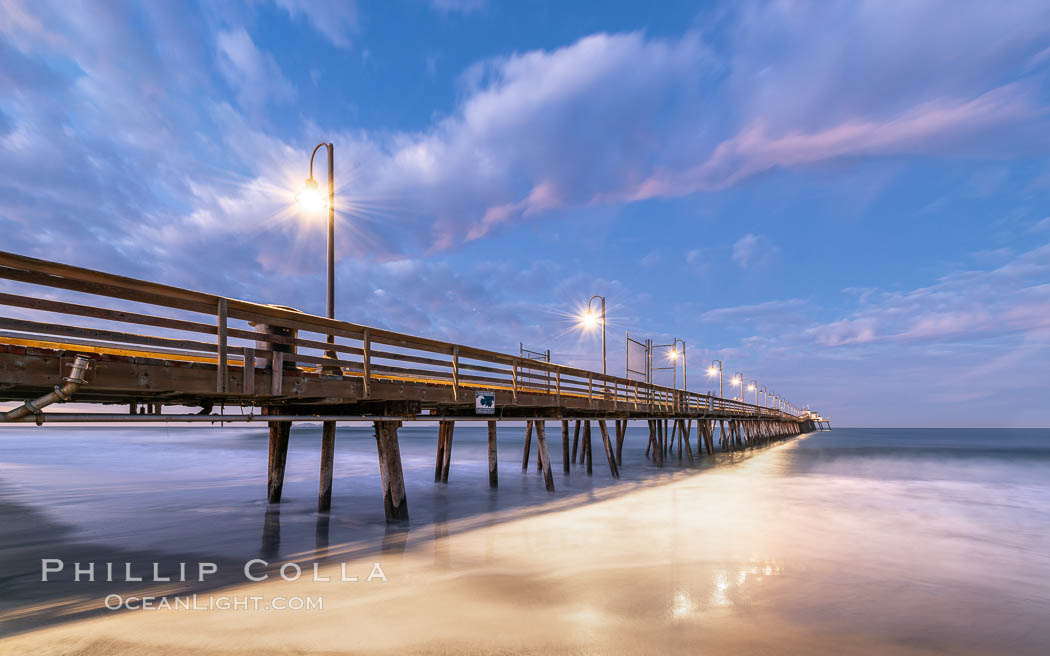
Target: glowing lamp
310, 197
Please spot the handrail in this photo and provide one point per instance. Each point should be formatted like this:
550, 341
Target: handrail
463, 360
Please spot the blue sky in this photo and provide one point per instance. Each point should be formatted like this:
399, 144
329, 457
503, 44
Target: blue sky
845, 201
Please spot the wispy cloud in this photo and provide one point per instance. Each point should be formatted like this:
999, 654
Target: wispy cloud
751, 251
254, 74
335, 19
769, 309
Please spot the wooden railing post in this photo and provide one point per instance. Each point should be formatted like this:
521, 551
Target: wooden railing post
455, 372
366, 349
514, 380
248, 373
222, 382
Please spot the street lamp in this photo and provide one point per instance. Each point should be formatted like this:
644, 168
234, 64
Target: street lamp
310, 198
738, 380
753, 387
712, 370
765, 397
674, 355
589, 318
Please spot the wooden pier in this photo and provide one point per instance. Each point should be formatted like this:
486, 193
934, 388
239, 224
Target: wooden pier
165, 354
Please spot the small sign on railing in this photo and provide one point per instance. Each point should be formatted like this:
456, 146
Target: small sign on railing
485, 403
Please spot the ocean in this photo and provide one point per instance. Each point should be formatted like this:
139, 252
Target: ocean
867, 540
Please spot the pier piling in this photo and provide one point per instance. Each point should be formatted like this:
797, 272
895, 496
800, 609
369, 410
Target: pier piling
395, 503
278, 457
528, 447
565, 446
324, 491
544, 455
493, 464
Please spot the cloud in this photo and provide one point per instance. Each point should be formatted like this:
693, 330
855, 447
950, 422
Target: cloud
756, 311
607, 119
335, 19
651, 259
971, 304
254, 74
751, 251
1040, 226
626, 117
930, 127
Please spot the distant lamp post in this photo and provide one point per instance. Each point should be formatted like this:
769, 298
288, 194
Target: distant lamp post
765, 398
590, 319
753, 387
713, 370
738, 380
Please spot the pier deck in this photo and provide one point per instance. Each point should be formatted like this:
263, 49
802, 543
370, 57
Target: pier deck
171, 354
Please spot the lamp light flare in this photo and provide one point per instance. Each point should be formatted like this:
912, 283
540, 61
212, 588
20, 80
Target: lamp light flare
588, 320
712, 371
310, 197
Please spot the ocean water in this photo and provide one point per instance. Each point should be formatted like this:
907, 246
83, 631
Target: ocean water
903, 540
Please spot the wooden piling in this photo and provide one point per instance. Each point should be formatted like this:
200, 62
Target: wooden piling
686, 427
439, 459
565, 446
528, 446
278, 456
587, 444
324, 490
608, 449
493, 465
545, 461
395, 503
539, 463
658, 444
446, 463
576, 443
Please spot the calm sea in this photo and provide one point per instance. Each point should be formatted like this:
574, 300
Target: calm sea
913, 531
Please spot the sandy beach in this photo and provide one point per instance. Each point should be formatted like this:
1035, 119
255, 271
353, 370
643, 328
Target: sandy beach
736, 559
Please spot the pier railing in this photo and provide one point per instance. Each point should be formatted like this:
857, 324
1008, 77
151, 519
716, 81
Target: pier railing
151, 320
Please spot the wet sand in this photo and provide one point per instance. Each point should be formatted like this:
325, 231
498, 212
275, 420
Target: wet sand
759, 556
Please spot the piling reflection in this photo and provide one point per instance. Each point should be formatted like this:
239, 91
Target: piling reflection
394, 540
271, 534
321, 534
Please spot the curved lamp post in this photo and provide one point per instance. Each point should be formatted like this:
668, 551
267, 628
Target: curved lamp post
589, 318
738, 380
675, 354
310, 197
